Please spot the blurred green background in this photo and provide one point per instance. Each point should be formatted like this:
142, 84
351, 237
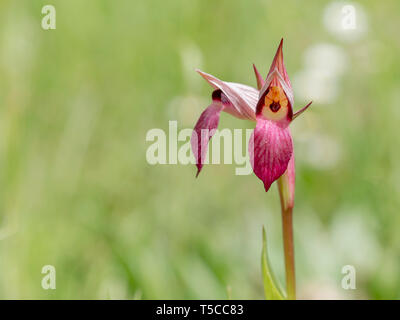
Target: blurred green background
76, 191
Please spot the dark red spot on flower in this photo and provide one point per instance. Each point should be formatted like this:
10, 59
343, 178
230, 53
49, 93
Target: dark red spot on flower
218, 95
274, 106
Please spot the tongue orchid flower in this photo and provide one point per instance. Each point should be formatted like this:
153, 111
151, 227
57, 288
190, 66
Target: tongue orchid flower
270, 146
271, 107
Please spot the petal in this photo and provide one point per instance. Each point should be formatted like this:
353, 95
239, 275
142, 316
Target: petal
270, 150
243, 98
204, 130
296, 114
260, 80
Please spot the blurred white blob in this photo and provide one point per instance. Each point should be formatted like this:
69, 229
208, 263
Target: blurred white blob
318, 257
353, 233
345, 20
192, 59
320, 290
349, 240
315, 86
327, 58
319, 150
323, 66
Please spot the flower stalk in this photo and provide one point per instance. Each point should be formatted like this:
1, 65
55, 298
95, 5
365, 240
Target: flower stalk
287, 232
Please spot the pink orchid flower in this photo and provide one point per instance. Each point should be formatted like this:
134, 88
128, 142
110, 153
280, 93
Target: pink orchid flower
271, 106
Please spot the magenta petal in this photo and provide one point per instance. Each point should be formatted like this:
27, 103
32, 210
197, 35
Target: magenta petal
270, 150
203, 132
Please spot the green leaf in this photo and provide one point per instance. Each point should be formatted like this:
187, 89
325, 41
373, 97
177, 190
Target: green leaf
272, 291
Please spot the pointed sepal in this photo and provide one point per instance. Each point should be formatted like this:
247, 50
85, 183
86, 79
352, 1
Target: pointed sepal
296, 114
260, 80
278, 65
242, 99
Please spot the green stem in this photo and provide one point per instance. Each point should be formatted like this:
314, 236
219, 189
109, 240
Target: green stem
287, 227
286, 198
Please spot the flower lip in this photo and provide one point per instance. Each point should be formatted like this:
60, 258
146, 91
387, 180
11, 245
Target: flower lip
270, 150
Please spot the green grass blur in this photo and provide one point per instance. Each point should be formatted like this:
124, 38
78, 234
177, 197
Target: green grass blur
76, 191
